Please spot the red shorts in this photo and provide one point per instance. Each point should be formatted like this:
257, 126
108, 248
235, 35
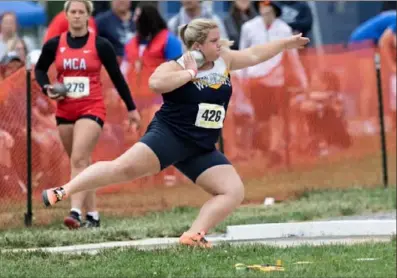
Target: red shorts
70, 112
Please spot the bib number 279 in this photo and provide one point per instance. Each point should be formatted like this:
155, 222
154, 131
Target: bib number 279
78, 87
210, 116
75, 87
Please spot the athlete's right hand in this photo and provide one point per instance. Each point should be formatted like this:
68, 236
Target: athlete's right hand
51, 94
135, 119
190, 62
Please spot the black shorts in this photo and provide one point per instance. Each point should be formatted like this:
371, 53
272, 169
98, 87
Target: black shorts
63, 121
186, 156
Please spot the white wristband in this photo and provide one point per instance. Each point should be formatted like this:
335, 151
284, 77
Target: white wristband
193, 73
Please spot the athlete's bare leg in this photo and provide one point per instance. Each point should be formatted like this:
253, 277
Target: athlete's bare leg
66, 134
85, 137
139, 161
224, 183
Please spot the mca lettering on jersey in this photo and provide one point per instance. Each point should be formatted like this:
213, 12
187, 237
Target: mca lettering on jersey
74, 64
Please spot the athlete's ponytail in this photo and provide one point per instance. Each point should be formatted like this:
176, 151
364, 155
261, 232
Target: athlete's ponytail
182, 31
197, 31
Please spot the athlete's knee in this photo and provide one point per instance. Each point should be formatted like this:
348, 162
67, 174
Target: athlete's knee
236, 191
79, 161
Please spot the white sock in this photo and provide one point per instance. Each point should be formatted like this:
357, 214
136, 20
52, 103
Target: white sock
77, 211
94, 215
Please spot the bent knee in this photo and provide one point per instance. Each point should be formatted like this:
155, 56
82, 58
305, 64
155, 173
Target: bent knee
237, 192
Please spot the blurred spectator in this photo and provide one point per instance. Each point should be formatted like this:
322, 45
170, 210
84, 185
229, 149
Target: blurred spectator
267, 80
387, 44
59, 25
34, 56
240, 12
21, 50
387, 47
373, 28
323, 106
104, 6
153, 45
190, 10
100, 7
370, 32
9, 180
10, 64
8, 33
297, 15
117, 25
3, 49
6, 144
44, 136
240, 124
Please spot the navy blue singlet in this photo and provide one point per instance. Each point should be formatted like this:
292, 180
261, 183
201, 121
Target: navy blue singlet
196, 111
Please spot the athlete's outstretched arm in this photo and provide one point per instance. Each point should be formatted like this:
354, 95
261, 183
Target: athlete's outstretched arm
109, 60
47, 57
168, 77
259, 53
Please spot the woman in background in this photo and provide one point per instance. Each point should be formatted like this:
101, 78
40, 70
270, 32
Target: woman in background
240, 12
8, 33
152, 45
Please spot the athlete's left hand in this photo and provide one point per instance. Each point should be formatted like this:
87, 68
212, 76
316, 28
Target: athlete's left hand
135, 119
296, 41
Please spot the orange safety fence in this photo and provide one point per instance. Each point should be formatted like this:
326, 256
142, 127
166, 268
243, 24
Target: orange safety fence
284, 138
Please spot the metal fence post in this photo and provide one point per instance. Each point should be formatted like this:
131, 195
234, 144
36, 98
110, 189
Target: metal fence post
381, 120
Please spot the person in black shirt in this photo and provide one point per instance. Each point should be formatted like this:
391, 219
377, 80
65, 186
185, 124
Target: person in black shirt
117, 25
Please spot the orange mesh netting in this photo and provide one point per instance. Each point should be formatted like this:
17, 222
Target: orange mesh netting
286, 138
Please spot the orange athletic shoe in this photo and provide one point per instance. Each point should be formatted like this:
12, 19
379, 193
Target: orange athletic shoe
53, 196
194, 240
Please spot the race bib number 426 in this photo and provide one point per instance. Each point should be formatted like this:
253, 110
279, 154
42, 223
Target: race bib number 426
210, 116
78, 86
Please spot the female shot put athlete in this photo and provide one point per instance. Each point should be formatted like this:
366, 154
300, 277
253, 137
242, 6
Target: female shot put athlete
184, 131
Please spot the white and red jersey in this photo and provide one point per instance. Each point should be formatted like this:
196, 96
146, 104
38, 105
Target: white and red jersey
79, 69
255, 32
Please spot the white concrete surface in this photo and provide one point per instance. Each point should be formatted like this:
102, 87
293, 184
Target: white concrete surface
281, 235
341, 228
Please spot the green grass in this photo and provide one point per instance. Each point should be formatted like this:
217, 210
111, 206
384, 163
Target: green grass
327, 261
312, 205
